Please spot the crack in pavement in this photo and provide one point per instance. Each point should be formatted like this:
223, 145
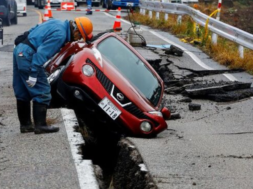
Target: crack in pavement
238, 133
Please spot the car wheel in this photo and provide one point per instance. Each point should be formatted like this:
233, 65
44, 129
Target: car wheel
96, 4
8, 20
24, 14
40, 6
103, 3
15, 19
114, 7
109, 4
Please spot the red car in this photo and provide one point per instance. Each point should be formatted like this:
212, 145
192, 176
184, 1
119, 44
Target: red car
109, 78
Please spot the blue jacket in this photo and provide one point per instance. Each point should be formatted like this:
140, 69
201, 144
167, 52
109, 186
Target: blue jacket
47, 38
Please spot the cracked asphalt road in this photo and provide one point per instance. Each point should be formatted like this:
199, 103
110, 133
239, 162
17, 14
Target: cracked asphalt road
208, 148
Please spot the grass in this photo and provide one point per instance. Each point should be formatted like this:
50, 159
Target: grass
225, 52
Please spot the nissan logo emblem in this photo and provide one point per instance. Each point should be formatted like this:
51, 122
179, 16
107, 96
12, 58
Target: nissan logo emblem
120, 96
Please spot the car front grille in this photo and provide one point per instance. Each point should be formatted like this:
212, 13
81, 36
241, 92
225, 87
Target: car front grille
102, 78
135, 111
108, 85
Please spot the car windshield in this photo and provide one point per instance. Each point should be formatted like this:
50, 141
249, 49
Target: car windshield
136, 72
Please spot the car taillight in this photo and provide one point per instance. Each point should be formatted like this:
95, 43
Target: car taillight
24, 8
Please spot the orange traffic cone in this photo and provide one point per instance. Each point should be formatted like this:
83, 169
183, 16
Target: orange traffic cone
45, 17
48, 6
117, 23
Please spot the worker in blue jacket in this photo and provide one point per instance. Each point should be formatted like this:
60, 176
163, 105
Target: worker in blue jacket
29, 78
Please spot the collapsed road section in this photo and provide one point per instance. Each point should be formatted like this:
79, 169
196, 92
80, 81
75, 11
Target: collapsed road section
117, 163
195, 83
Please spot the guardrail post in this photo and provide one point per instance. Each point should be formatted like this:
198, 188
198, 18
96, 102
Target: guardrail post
214, 38
166, 16
157, 15
150, 14
214, 35
1, 31
179, 19
241, 51
142, 11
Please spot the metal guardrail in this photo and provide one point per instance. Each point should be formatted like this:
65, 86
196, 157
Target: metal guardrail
1, 31
222, 29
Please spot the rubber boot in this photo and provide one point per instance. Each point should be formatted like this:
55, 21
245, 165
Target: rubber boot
39, 116
24, 116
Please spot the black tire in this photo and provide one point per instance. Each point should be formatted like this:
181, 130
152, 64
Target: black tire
8, 20
40, 6
109, 4
96, 4
14, 20
102, 2
24, 14
35, 3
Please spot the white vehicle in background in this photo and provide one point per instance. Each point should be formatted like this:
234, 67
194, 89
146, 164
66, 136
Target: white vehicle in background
21, 7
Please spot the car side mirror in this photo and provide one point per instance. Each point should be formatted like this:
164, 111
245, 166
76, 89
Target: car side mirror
166, 113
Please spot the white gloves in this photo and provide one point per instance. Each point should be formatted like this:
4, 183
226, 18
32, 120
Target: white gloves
31, 81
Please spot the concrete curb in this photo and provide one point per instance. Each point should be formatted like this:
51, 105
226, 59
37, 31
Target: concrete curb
85, 170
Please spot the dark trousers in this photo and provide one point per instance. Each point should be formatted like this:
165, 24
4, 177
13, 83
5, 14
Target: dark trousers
40, 93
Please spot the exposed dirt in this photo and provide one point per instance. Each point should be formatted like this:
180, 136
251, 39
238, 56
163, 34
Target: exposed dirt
130, 171
118, 164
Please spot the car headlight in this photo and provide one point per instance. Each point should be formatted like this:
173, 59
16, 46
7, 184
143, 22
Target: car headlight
88, 70
156, 113
146, 126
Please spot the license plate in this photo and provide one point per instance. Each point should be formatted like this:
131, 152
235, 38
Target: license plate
130, 4
109, 108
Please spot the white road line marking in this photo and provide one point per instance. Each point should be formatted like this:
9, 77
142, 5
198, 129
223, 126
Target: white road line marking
84, 168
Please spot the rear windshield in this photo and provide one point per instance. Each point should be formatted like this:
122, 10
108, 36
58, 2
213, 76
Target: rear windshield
134, 70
